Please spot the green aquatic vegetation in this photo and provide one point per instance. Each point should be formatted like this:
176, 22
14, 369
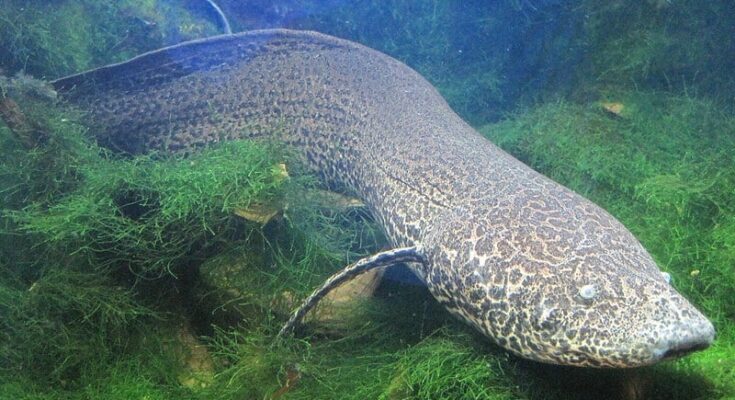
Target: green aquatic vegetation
278, 268
56, 38
449, 367
385, 358
53, 39
156, 215
255, 366
63, 321
147, 367
680, 46
41, 174
717, 364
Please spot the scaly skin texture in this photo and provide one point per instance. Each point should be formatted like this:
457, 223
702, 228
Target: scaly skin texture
542, 271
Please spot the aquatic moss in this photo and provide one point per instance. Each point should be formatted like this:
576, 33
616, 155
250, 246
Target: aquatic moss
149, 214
449, 368
56, 38
264, 280
147, 367
384, 358
679, 46
41, 174
64, 321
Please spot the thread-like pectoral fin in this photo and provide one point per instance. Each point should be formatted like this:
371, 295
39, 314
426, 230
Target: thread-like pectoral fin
382, 259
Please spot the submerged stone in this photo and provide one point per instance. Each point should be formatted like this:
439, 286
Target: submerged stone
234, 288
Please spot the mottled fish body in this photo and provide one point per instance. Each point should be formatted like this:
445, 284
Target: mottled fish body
539, 269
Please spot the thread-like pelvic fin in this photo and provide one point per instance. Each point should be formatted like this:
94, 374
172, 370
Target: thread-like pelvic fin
382, 259
222, 18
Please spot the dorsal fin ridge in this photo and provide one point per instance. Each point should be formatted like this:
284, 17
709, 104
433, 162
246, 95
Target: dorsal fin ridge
183, 58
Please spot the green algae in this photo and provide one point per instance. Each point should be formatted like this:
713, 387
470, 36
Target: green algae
64, 320
661, 45
56, 38
150, 213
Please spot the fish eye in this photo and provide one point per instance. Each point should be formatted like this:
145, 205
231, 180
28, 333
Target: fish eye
667, 276
588, 292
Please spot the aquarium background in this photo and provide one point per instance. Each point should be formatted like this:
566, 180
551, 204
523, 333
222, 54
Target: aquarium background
139, 278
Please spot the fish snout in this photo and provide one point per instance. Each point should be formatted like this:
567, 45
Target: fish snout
683, 338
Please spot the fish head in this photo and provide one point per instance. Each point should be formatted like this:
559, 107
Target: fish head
554, 278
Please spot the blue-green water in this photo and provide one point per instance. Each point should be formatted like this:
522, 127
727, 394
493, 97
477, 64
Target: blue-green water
135, 278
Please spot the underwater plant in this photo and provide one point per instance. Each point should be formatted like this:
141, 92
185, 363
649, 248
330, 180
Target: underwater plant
55, 38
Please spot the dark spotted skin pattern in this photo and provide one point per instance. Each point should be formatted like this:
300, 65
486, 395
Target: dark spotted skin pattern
540, 270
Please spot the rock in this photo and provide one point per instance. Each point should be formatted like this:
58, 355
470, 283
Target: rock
614, 109
198, 366
335, 313
230, 288
232, 291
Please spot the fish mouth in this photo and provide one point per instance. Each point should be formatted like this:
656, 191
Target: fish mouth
681, 351
695, 337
